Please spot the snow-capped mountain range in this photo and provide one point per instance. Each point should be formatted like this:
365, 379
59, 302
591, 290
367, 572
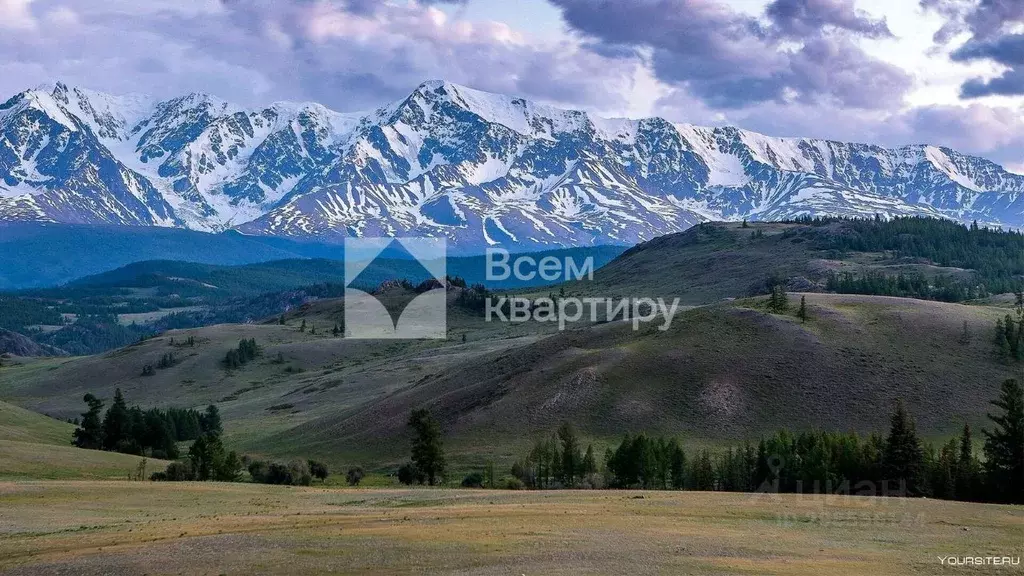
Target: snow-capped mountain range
481, 169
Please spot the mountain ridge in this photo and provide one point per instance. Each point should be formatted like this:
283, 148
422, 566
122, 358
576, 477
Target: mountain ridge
480, 169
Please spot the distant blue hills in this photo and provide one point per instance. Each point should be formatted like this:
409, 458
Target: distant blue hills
38, 255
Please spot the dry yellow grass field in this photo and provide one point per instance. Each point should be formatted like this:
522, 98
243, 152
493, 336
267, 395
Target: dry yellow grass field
105, 527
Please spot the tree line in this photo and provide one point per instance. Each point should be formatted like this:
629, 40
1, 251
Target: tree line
899, 463
1009, 334
941, 288
996, 256
132, 430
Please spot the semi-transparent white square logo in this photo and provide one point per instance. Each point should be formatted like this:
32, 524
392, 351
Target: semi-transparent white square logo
422, 318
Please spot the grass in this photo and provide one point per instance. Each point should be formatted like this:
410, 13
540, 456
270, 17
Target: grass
30, 460
725, 372
23, 425
157, 528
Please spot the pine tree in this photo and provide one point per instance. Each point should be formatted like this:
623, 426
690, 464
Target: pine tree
967, 467
1002, 344
903, 457
427, 450
704, 474
1004, 446
1011, 336
209, 421
589, 461
572, 460
117, 423
778, 302
89, 433
677, 464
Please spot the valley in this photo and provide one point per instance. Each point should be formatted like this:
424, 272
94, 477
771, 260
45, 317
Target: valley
726, 370
730, 370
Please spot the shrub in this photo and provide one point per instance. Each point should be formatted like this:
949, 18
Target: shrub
166, 361
295, 473
473, 480
409, 474
300, 473
512, 483
180, 472
354, 476
318, 470
258, 470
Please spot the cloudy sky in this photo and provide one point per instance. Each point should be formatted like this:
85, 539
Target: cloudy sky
949, 72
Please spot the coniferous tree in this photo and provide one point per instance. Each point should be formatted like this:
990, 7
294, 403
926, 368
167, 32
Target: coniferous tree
704, 472
1012, 337
427, 450
1004, 446
89, 433
677, 464
778, 302
572, 459
1002, 344
209, 421
589, 461
903, 457
211, 462
117, 423
967, 467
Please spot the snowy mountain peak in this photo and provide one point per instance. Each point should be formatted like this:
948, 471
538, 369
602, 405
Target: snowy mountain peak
479, 168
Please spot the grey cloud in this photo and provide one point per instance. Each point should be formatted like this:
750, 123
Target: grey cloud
1007, 50
991, 24
1009, 83
347, 54
803, 18
994, 132
732, 60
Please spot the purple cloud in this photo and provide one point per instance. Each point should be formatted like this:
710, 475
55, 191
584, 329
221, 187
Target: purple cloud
347, 54
803, 18
732, 60
991, 24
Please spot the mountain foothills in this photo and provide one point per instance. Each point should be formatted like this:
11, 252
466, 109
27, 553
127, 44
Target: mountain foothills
481, 169
289, 386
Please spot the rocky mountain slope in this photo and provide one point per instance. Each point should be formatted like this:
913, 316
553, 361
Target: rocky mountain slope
481, 169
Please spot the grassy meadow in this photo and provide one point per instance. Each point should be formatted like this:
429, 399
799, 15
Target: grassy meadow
213, 528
